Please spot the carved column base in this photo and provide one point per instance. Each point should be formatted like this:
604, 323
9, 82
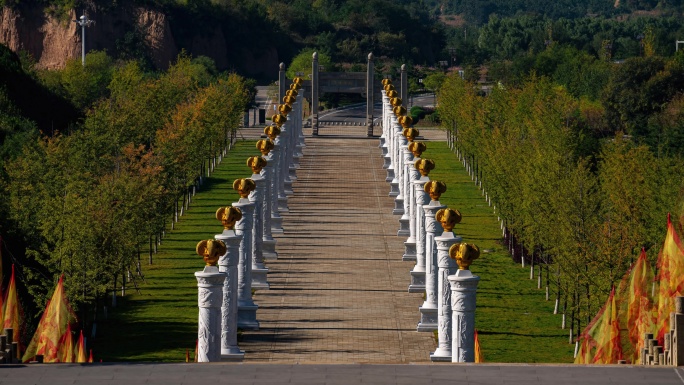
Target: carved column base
394, 192
417, 281
409, 251
268, 249
282, 205
404, 228
230, 356
259, 278
277, 225
390, 172
440, 356
428, 319
382, 144
210, 298
288, 188
247, 317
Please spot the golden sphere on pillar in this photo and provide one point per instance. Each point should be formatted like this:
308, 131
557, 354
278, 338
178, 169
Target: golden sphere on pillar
395, 102
410, 133
424, 166
284, 109
289, 100
392, 94
386, 81
435, 189
417, 148
405, 121
464, 254
244, 186
279, 119
292, 93
264, 145
448, 218
211, 250
256, 163
228, 216
272, 132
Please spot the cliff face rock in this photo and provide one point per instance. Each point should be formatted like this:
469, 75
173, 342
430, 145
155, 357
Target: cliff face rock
52, 42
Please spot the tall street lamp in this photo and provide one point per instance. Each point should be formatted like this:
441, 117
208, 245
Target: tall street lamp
83, 21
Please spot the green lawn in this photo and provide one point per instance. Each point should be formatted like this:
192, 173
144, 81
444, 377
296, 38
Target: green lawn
161, 323
514, 321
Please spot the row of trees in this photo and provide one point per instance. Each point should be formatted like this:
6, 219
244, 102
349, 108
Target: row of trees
88, 201
580, 204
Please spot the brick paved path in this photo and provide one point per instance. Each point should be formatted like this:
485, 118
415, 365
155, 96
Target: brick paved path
339, 288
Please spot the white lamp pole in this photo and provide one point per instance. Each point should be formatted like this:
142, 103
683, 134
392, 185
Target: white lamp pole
83, 21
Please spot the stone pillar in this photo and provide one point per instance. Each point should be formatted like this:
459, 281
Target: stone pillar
276, 219
259, 270
209, 298
463, 290
447, 266
394, 184
418, 273
412, 175
428, 312
677, 333
228, 264
405, 220
314, 94
246, 307
282, 79
369, 94
282, 173
401, 145
286, 137
268, 243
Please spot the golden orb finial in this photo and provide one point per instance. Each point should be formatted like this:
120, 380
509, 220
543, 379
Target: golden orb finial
289, 100
264, 145
279, 119
405, 121
395, 102
292, 92
448, 218
244, 186
424, 166
435, 189
272, 132
256, 163
284, 109
386, 81
399, 110
299, 81
410, 133
228, 216
392, 94
464, 254
211, 250
388, 88
417, 148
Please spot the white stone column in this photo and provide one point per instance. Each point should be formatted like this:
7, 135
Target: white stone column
402, 144
383, 136
394, 184
428, 311
281, 142
209, 299
412, 176
228, 264
463, 291
259, 270
405, 220
447, 266
390, 147
418, 273
268, 243
246, 307
276, 219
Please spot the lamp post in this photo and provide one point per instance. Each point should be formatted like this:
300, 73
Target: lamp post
83, 21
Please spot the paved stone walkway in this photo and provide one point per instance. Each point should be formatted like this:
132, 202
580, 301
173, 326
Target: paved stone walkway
339, 287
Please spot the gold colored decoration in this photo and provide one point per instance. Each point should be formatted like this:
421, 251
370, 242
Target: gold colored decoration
284, 109
417, 148
256, 163
279, 119
289, 100
265, 145
392, 94
448, 218
211, 250
464, 254
424, 166
388, 88
292, 93
228, 216
244, 186
272, 132
405, 121
435, 189
298, 81
410, 133
399, 110
395, 102
386, 81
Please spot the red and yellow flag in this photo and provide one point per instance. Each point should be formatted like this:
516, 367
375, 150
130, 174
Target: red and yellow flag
478, 350
81, 355
602, 333
12, 315
90, 357
66, 346
640, 317
670, 278
56, 317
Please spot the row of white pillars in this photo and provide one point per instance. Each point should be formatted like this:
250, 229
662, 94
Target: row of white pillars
449, 305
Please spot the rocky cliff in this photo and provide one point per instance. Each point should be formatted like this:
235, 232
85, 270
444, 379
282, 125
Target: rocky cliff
52, 41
